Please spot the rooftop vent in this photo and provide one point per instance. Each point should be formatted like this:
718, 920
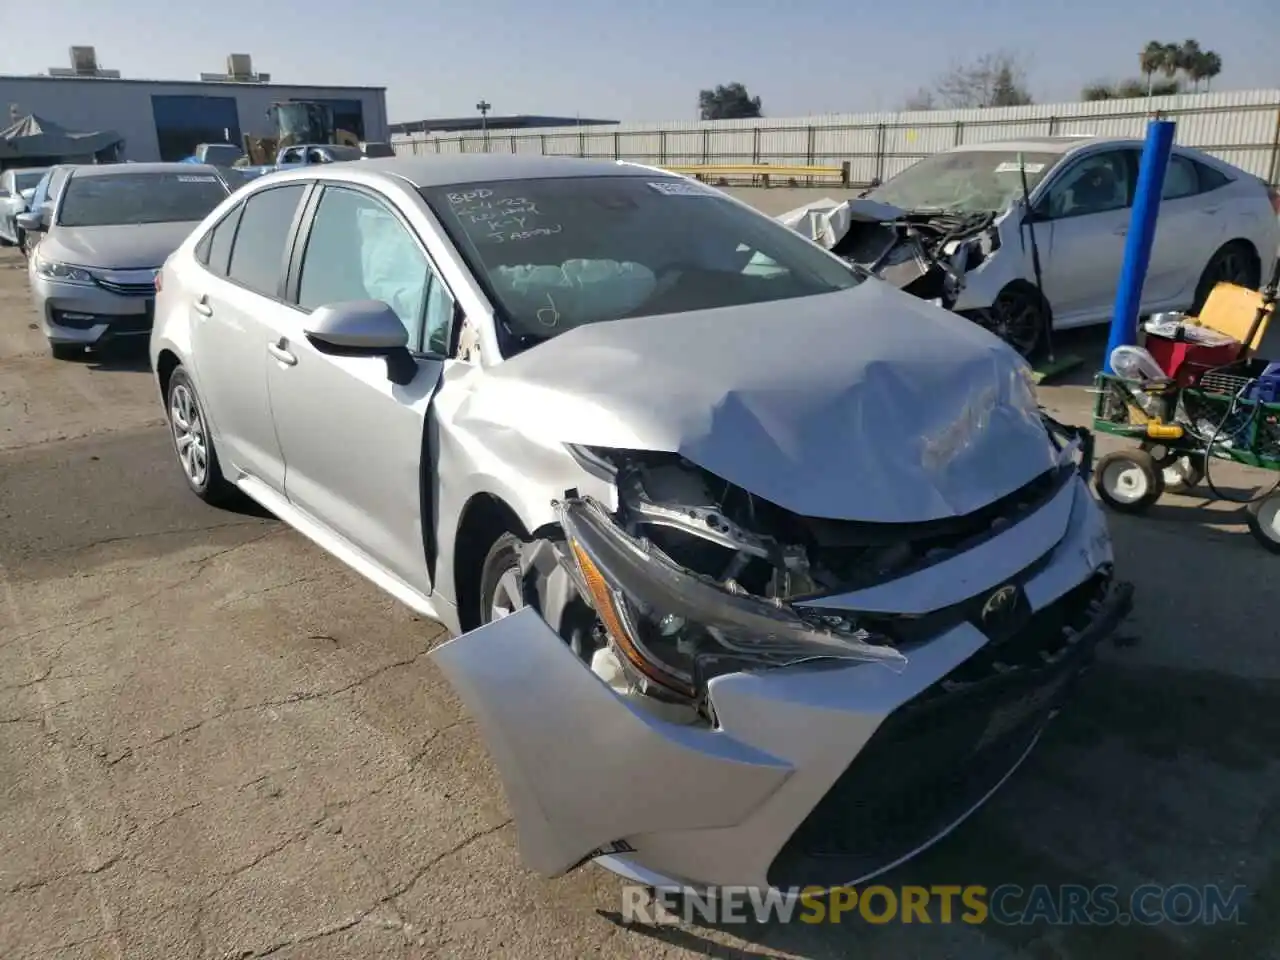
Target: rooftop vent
239, 66
84, 63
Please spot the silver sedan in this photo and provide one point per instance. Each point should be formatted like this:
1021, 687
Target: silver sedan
765, 574
16, 188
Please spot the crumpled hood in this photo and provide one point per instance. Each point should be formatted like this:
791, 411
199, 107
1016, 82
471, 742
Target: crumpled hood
136, 246
865, 404
826, 221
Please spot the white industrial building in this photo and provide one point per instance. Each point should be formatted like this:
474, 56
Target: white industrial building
165, 119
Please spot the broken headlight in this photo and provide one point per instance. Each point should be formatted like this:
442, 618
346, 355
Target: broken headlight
677, 629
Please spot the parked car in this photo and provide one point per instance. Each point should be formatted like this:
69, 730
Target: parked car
955, 228
764, 573
43, 198
16, 188
92, 275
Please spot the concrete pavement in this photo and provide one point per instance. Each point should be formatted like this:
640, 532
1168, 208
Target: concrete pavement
217, 742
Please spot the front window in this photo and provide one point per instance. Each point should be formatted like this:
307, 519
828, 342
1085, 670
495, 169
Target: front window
965, 181
131, 198
558, 253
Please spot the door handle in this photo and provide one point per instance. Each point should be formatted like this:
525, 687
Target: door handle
281, 353
203, 308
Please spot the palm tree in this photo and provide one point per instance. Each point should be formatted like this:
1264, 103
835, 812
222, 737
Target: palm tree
1170, 60
1151, 61
1210, 67
1189, 58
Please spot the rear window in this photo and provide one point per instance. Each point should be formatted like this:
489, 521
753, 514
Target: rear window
558, 253
26, 179
130, 198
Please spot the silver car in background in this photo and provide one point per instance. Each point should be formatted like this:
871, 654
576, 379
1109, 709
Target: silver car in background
92, 275
766, 573
16, 189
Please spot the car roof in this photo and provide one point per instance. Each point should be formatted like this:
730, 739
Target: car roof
442, 170
1063, 144
114, 169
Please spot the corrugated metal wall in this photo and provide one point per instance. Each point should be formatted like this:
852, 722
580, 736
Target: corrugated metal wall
1240, 126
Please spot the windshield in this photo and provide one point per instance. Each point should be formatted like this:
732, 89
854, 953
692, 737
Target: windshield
558, 253
26, 179
131, 198
965, 181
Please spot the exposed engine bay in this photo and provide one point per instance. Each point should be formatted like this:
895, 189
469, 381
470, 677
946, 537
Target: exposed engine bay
926, 254
694, 576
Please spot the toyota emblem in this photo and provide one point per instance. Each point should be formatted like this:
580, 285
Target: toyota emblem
999, 605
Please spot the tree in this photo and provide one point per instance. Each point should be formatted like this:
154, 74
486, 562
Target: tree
728, 102
1128, 89
1210, 67
922, 99
993, 80
1151, 61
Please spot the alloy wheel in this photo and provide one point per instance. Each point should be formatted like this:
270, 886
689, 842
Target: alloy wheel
189, 436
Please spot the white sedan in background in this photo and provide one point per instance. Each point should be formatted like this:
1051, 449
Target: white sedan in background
966, 227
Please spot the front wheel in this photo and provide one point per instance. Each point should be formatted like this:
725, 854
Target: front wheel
1128, 481
1264, 522
1019, 317
501, 592
193, 443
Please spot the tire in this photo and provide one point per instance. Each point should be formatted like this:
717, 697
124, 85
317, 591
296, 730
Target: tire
66, 351
501, 566
1264, 522
184, 412
1234, 262
1128, 481
1018, 317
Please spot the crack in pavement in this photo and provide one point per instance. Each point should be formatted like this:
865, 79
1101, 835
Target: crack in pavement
387, 900
300, 697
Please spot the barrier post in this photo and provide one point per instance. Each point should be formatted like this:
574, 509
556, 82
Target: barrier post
1142, 232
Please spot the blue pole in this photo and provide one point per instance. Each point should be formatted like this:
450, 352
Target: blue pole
1142, 233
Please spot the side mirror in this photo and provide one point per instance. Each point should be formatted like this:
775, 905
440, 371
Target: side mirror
32, 221
363, 328
28, 193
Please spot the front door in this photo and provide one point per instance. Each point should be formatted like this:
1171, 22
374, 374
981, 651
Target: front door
231, 313
1088, 209
354, 442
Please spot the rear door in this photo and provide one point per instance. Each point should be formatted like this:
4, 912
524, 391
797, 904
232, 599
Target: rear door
354, 442
1191, 225
1087, 207
235, 306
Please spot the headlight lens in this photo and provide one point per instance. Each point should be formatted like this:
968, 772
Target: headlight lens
678, 629
52, 270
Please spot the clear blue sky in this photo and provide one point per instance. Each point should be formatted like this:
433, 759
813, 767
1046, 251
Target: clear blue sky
644, 59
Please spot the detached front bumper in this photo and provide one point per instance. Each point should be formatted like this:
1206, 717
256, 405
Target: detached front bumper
822, 773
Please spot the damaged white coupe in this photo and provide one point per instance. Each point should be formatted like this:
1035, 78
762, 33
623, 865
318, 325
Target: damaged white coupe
761, 572
1027, 236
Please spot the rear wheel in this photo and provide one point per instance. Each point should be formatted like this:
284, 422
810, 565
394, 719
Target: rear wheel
1234, 262
1128, 480
193, 443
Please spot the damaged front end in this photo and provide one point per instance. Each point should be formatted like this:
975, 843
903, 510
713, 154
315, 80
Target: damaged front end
926, 253
704, 685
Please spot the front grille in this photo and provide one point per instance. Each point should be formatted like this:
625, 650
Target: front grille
937, 756
126, 289
134, 323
